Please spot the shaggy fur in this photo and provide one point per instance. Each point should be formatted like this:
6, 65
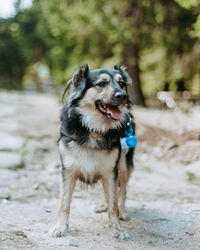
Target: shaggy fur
92, 123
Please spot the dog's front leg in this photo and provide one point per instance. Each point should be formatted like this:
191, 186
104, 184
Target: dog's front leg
67, 186
110, 189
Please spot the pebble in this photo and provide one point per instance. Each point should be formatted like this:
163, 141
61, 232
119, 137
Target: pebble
73, 244
36, 186
20, 233
6, 196
47, 210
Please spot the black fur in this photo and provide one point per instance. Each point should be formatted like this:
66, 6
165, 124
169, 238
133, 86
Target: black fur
116, 168
129, 158
72, 128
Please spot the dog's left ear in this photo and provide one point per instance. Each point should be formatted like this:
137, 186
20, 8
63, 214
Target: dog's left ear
80, 75
124, 74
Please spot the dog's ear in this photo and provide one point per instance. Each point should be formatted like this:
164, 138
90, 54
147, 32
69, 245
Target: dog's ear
116, 67
80, 75
67, 89
124, 74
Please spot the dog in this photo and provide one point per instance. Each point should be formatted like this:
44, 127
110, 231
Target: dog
93, 119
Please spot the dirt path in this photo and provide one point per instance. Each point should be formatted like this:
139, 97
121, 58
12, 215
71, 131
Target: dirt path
163, 195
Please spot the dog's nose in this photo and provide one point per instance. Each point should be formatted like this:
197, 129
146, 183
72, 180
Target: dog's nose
120, 96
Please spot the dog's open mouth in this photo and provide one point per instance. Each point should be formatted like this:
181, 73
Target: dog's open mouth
110, 111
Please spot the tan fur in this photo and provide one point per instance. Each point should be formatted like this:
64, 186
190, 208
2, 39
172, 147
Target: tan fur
123, 178
104, 77
124, 175
117, 77
90, 166
91, 163
92, 118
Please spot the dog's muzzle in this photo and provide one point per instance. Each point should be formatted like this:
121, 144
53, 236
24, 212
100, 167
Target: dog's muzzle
119, 98
111, 109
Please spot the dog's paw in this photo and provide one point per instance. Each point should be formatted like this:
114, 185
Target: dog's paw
101, 209
123, 216
124, 235
59, 230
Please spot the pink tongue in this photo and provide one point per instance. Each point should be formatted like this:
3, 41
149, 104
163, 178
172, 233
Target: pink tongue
115, 113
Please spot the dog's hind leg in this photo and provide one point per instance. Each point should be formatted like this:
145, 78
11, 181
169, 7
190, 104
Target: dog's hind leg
67, 186
123, 180
110, 189
124, 175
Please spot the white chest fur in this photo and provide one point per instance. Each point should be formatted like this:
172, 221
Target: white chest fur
89, 162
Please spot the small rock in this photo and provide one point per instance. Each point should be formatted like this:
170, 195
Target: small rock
47, 210
6, 196
11, 160
73, 244
189, 233
20, 233
36, 186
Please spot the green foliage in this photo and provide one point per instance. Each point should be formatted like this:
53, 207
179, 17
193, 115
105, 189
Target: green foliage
188, 3
150, 37
193, 5
12, 59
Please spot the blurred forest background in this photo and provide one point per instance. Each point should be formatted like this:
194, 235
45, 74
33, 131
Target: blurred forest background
41, 45
158, 41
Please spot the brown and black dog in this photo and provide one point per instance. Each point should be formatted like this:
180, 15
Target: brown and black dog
92, 122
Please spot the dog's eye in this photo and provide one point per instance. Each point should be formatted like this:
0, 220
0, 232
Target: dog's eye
102, 84
122, 84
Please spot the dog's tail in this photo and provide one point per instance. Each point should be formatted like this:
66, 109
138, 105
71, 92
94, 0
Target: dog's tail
69, 83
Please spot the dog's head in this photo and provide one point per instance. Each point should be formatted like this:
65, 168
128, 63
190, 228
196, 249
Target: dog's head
99, 96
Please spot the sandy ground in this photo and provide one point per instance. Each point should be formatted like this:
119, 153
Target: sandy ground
163, 200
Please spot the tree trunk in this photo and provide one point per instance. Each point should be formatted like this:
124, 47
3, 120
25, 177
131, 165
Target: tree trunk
131, 54
131, 61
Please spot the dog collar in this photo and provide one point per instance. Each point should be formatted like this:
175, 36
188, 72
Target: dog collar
130, 140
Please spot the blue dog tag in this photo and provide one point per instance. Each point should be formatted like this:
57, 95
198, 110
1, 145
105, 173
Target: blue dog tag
129, 141
128, 129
